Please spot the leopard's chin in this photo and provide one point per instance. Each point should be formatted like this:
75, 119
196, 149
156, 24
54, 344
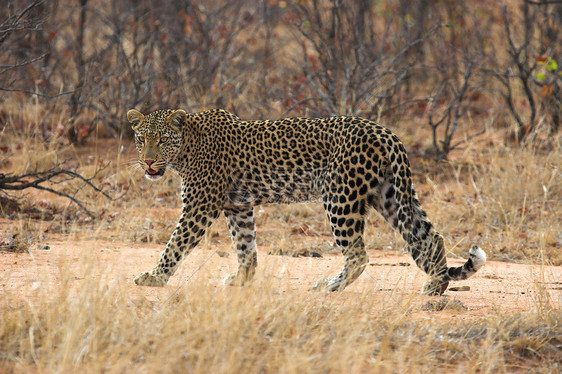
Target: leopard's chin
154, 174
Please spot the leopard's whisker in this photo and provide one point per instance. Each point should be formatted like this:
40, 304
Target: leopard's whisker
135, 167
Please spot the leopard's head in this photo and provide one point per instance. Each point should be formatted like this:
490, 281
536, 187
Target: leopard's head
158, 139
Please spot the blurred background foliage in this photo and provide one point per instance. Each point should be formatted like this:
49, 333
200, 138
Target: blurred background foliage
86, 62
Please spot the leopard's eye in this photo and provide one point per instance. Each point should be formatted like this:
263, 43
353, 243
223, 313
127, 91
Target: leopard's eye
163, 139
140, 138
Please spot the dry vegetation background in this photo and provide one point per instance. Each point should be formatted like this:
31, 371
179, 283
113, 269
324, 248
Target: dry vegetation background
472, 88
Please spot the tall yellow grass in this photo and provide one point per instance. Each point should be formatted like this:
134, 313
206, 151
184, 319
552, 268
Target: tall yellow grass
98, 326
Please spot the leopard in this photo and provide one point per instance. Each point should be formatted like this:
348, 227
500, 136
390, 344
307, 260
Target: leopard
227, 165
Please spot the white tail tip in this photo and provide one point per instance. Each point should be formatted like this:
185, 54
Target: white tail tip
478, 256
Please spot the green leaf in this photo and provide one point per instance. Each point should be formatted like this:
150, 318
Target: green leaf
540, 76
551, 65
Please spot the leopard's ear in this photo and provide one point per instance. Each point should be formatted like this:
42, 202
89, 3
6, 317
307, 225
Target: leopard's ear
135, 118
176, 119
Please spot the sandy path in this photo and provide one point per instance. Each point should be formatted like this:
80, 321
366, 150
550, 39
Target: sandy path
497, 288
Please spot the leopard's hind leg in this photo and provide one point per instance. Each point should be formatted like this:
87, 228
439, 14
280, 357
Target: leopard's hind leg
347, 222
404, 212
241, 224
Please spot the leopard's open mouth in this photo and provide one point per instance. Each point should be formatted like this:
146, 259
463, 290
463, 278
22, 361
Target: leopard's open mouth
151, 173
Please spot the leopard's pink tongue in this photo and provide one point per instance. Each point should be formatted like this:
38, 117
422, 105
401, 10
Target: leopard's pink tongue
151, 171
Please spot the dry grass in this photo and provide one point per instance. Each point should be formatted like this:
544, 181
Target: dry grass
517, 194
100, 327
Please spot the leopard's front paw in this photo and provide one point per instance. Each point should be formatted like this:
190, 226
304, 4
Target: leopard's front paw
235, 279
150, 280
328, 285
320, 284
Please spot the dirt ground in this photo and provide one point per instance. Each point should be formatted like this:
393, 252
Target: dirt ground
496, 289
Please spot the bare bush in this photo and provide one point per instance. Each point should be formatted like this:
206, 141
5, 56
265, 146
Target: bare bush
531, 38
122, 54
21, 26
452, 62
354, 60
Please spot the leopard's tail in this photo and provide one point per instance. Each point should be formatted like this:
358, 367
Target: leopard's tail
401, 207
476, 259
428, 250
